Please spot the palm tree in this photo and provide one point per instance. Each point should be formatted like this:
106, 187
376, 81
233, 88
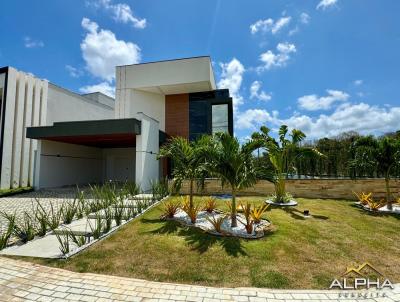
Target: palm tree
381, 156
188, 161
282, 155
233, 164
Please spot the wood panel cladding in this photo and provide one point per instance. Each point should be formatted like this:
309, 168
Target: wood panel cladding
177, 115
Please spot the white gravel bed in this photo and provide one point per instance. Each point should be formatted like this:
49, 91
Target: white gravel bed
239, 231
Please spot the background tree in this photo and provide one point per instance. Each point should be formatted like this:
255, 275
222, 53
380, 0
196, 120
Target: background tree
381, 155
233, 164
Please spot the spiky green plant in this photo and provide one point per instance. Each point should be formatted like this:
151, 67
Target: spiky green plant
6, 234
131, 188
25, 229
69, 211
41, 217
108, 217
63, 239
54, 216
216, 222
119, 213
81, 203
98, 227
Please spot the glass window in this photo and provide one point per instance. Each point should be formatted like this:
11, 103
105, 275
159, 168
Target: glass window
220, 118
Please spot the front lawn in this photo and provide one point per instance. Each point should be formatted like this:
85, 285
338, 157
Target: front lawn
301, 253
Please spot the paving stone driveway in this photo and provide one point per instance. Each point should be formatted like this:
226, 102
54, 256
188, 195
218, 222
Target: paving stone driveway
23, 281
26, 202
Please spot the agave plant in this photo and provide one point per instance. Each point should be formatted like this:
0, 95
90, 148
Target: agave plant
257, 212
192, 210
376, 205
363, 198
170, 209
216, 222
247, 214
210, 204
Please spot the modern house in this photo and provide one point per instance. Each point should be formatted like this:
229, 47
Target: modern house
52, 137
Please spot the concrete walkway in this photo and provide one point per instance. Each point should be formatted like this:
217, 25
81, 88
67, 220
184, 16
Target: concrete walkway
23, 281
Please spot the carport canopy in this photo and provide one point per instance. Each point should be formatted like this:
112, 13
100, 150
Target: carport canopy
111, 133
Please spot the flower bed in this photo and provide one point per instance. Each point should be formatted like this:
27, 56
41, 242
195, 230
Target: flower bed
203, 223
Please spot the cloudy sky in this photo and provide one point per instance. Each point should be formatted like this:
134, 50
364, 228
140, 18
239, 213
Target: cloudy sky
323, 66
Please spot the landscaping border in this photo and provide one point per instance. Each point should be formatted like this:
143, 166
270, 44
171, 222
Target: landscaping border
304, 188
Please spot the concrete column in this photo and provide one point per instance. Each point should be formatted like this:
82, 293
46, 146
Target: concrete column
8, 129
36, 164
147, 148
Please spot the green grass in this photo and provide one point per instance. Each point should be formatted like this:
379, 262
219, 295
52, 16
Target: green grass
301, 253
9, 192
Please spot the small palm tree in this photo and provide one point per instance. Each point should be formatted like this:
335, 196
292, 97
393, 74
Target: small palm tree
282, 155
381, 156
233, 163
188, 161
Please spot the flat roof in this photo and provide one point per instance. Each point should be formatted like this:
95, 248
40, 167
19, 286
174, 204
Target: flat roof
96, 133
111, 133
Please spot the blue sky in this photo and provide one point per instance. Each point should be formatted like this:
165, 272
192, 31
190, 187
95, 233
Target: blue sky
324, 66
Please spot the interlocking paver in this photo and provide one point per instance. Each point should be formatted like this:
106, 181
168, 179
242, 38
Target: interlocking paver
23, 281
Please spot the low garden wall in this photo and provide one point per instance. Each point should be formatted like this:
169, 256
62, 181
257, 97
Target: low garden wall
307, 188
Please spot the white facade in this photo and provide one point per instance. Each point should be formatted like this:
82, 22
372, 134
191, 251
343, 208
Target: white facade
140, 94
24, 102
143, 87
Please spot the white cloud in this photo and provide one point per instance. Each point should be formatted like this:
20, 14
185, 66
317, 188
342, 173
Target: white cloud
231, 78
257, 93
73, 71
121, 12
324, 4
358, 82
102, 51
313, 102
269, 25
32, 43
103, 87
361, 117
305, 18
278, 59
254, 118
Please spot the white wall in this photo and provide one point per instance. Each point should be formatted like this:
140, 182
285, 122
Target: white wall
147, 149
119, 164
165, 73
59, 164
151, 104
64, 105
25, 106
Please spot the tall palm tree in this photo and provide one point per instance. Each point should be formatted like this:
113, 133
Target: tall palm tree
282, 154
233, 164
381, 156
188, 160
